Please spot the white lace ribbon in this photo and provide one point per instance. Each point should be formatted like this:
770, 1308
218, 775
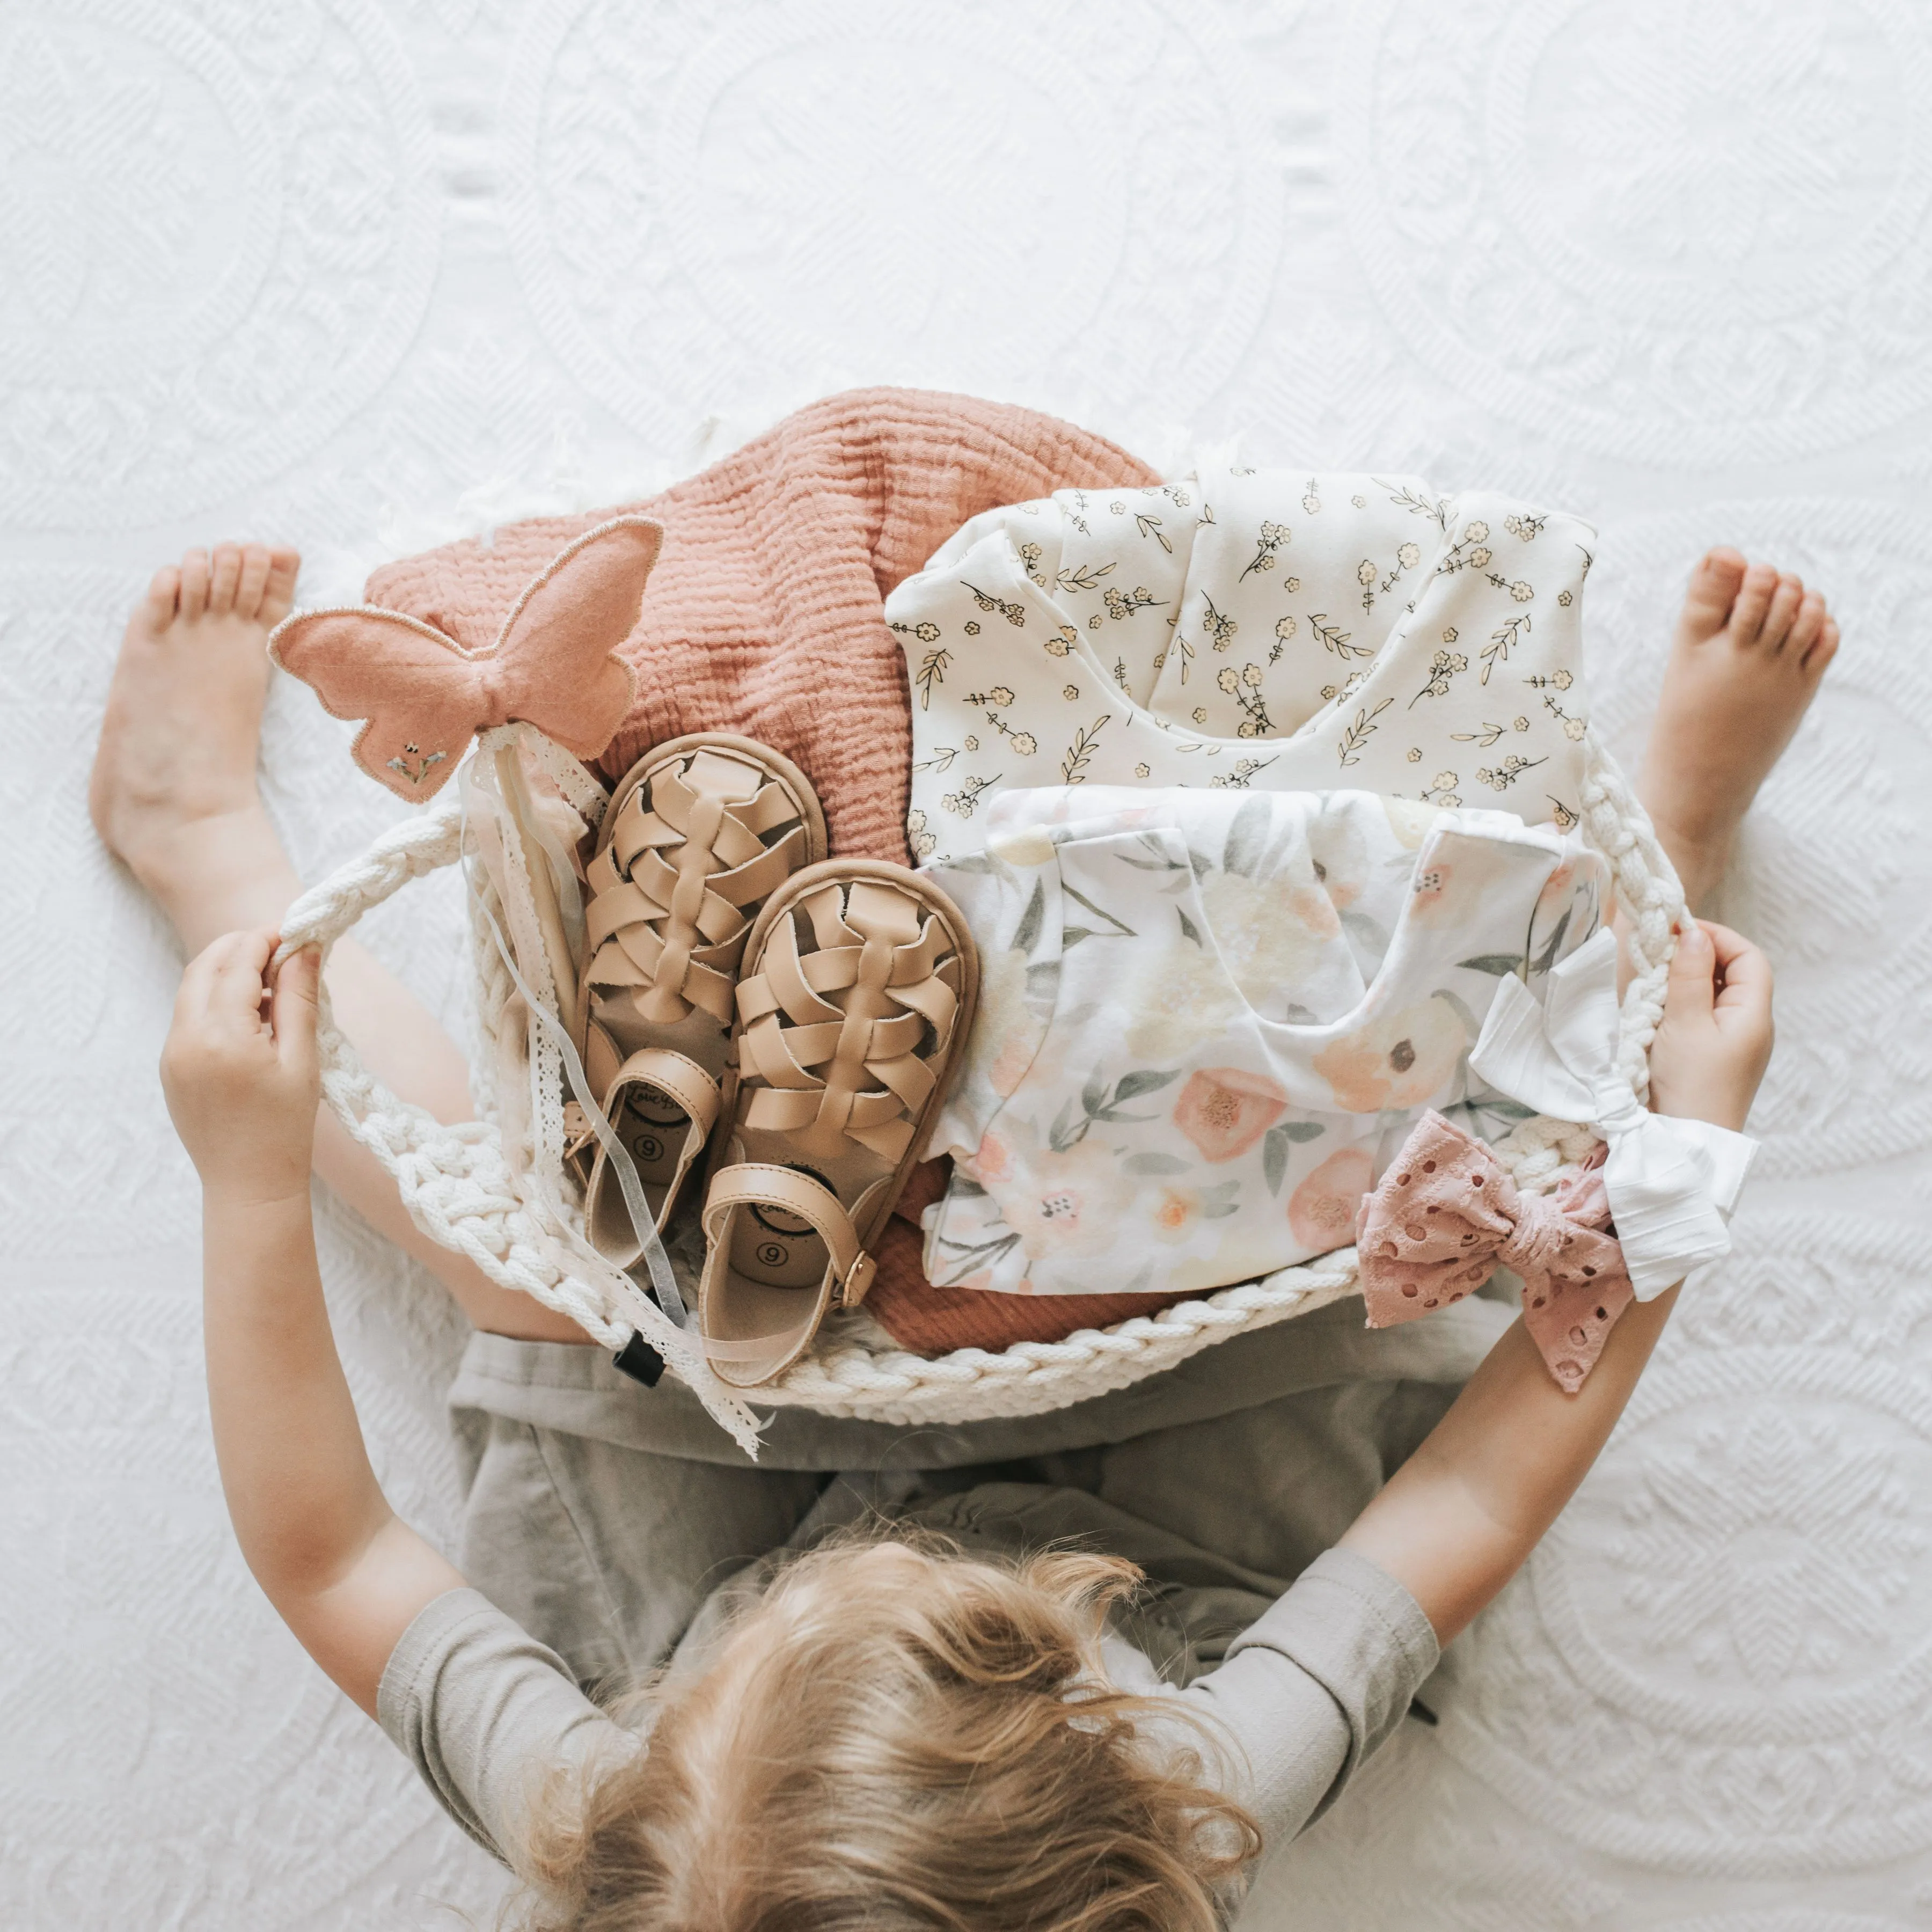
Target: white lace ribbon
1672, 1183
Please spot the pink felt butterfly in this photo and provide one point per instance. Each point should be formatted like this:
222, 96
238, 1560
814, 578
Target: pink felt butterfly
553, 664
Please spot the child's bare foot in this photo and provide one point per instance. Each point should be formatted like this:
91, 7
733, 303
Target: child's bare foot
1750, 650
173, 788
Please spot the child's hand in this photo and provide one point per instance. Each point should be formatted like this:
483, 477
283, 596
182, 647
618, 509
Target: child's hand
1713, 1041
242, 1084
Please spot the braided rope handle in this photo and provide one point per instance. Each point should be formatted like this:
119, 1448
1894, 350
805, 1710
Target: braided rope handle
457, 1186
454, 1181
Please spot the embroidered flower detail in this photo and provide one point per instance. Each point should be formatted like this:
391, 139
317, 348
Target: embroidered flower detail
1396, 1061
1322, 1211
1224, 1111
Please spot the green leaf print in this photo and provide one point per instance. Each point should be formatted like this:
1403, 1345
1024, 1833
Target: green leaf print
1152, 1163
1027, 935
1500, 963
1247, 836
1220, 1200
1187, 927
1275, 1143
1097, 1103
1145, 1080
1546, 957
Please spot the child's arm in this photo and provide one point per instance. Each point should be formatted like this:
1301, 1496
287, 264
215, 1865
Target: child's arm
242, 1084
1460, 1517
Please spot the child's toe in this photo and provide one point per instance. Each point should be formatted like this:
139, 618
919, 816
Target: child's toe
278, 594
1822, 653
254, 580
1754, 604
1713, 589
1806, 626
194, 583
1786, 601
163, 595
224, 576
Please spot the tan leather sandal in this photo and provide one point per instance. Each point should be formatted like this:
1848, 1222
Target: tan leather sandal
695, 839
859, 983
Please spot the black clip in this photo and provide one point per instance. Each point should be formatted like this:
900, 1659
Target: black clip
639, 1360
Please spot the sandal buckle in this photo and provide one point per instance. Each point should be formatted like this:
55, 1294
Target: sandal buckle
858, 1281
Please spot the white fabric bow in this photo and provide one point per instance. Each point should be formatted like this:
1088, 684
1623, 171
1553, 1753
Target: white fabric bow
1672, 1183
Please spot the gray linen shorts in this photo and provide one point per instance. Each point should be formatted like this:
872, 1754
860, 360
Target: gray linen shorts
603, 1515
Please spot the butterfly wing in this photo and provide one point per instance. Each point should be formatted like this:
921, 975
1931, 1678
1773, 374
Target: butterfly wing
421, 695
556, 663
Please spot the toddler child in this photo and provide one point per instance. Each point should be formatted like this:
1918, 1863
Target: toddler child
1078, 1670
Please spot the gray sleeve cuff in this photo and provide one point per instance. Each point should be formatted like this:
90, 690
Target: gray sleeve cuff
1354, 1629
483, 1710
1314, 1685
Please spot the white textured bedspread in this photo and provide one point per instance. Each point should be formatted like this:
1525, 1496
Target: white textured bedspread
316, 270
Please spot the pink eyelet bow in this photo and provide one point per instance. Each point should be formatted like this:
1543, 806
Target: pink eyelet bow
1446, 1216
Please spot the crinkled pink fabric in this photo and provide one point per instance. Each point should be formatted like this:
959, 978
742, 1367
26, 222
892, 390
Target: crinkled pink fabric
1447, 1215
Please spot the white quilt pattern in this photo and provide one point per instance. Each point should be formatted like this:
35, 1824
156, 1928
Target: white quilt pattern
317, 270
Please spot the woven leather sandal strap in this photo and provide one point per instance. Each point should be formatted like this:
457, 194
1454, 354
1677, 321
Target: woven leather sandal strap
850, 1066
667, 919
764, 1184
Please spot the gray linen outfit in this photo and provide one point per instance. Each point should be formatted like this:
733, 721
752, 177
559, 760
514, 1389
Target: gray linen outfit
608, 1526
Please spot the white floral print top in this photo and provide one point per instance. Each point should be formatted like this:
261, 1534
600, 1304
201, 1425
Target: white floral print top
1250, 629
1207, 1021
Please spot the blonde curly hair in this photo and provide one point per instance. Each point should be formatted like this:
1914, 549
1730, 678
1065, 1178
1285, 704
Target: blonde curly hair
898, 1736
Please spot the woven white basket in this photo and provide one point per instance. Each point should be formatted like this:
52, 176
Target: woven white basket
462, 1190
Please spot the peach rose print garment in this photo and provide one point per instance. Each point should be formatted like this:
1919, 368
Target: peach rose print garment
1210, 1018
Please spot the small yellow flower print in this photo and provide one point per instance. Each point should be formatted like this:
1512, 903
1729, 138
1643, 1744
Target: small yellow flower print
1143, 771
972, 629
1062, 641
1024, 743
1070, 692
1574, 729
1409, 556
1522, 591
1476, 533
972, 744
1449, 635
1365, 572
1522, 723
1291, 584
1564, 598
1093, 622
1229, 680
1479, 556
1251, 676
1415, 754
1200, 714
